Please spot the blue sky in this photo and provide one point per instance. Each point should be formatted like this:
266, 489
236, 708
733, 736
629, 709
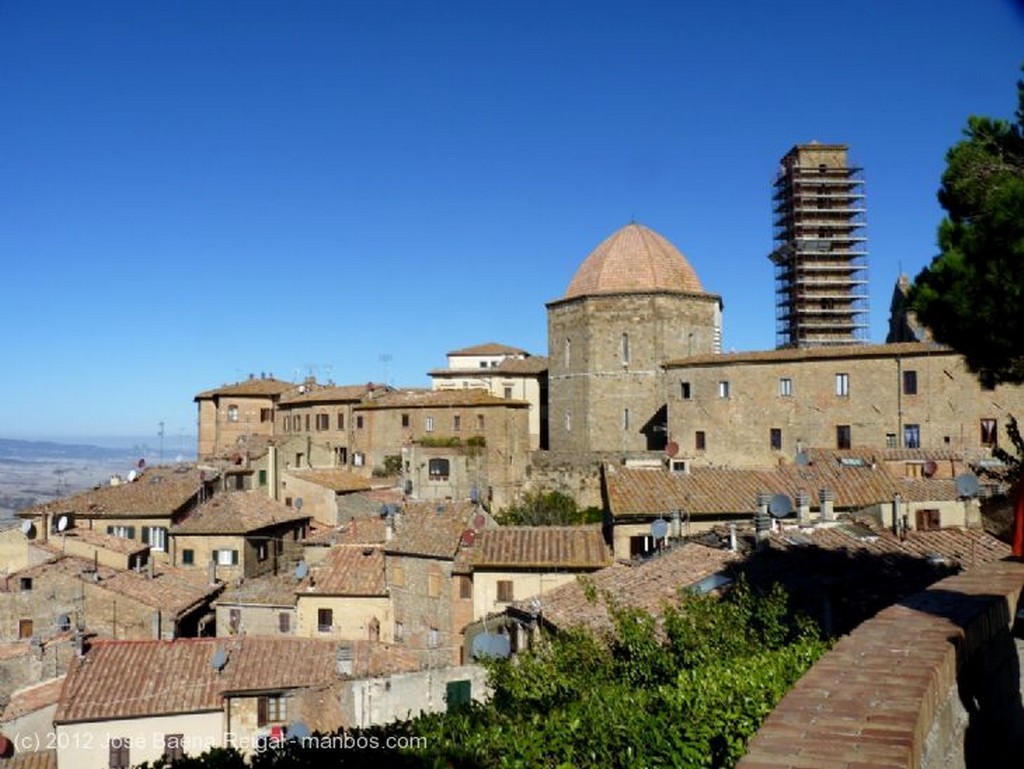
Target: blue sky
191, 192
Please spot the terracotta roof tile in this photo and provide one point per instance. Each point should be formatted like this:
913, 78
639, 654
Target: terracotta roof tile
562, 547
125, 679
647, 585
335, 394
29, 699
337, 479
353, 570
237, 513
42, 759
432, 529
267, 590
811, 353
250, 387
99, 539
158, 492
489, 348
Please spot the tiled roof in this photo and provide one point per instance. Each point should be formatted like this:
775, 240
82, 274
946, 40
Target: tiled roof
647, 585
266, 590
510, 367
334, 394
634, 259
336, 479
417, 399
489, 348
126, 679
29, 699
358, 531
41, 759
158, 492
432, 529
354, 570
96, 538
709, 491
797, 354
251, 387
237, 513
552, 547
170, 590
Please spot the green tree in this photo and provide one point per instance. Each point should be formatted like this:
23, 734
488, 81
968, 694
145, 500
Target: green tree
547, 508
972, 294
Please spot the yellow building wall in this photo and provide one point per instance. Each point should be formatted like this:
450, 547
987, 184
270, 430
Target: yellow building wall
524, 585
351, 619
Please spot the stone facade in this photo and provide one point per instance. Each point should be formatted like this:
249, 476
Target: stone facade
604, 367
761, 408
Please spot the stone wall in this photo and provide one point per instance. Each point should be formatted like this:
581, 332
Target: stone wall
932, 683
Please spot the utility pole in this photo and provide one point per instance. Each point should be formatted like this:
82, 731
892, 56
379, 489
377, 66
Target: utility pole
160, 432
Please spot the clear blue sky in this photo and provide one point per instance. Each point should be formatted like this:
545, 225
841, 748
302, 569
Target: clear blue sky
193, 191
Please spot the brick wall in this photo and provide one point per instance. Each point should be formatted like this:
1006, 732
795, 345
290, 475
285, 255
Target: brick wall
932, 682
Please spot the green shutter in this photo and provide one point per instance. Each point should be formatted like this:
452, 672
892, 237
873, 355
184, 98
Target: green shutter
145, 535
458, 694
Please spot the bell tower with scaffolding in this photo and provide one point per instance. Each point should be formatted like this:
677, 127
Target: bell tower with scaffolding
820, 254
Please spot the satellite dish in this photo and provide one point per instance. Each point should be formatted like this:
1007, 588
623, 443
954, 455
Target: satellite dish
672, 448
298, 503
298, 730
468, 538
967, 485
219, 660
141, 463
780, 506
132, 475
802, 459
492, 645
62, 523
929, 468
28, 529
659, 529
301, 570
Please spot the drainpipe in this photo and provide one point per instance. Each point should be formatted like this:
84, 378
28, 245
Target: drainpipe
896, 503
900, 437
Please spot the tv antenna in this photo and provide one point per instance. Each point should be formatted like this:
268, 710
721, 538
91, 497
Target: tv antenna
385, 359
160, 432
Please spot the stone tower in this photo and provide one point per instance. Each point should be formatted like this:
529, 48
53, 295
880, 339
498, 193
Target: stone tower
634, 303
820, 257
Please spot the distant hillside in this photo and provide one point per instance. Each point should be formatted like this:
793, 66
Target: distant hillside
34, 451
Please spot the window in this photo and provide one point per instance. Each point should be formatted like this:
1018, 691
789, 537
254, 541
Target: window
232, 413
399, 631
261, 551
465, 586
359, 422
262, 476
928, 520
989, 432
434, 585
307, 423
785, 387
266, 415
174, 747
323, 421
155, 537
506, 590
842, 385
438, 469
358, 459
324, 620
479, 422
910, 383
434, 638
723, 389
299, 458
684, 390
341, 420
912, 436
775, 437
398, 576
271, 709
624, 344
124, 532
456, 423
405, 420
625, 419
341, 455
890, 440
24, 628
188, 557
843, 437
234, 620
508, 393
428, 424
25, 583
226, 557
284, 622
642, 545
699, 440
567, 352
119, 758
483, 364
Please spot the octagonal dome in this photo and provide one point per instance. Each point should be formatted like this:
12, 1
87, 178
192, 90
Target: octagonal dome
634, 259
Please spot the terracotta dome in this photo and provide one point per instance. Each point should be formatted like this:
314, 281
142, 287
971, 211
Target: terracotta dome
634, 259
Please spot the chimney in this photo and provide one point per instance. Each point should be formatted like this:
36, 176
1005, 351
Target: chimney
827, 497
213, 572
149, 567
44, 527
762, 521
803, 508
732, 537
897, 502
389, 529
